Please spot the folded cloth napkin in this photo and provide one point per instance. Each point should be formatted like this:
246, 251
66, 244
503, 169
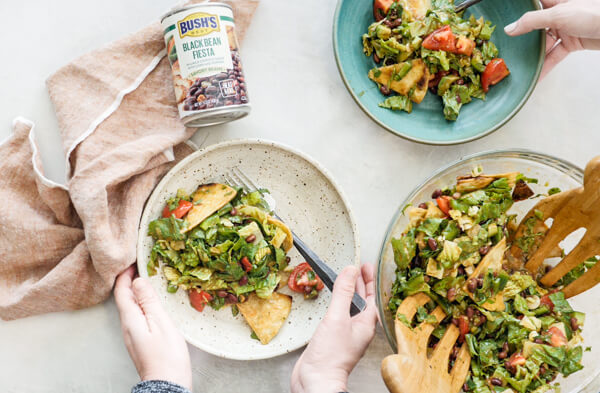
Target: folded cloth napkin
63, 246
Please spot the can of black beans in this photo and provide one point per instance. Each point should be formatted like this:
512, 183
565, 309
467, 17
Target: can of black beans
203, 51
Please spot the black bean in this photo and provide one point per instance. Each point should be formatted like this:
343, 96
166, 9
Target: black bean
221, 76
436, 194
502, 355
472, 284
484, 250
432, 244
451, 294
222, 293
212, 90
423, 205
470, 312
231, 298
496, 381
250, 238
385, 90
574, 324
243, 281
193, 91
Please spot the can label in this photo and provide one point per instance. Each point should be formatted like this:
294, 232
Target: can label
203, 51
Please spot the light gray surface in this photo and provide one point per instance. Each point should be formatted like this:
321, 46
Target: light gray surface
298, 98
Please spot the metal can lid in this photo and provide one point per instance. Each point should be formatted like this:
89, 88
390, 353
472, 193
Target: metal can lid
187, 7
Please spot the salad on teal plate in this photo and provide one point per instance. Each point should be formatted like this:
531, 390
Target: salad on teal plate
431, 74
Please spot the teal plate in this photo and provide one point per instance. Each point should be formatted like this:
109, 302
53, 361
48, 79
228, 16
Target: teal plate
524, 56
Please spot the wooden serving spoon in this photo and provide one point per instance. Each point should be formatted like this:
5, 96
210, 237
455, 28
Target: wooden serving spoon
412, 370
570, 210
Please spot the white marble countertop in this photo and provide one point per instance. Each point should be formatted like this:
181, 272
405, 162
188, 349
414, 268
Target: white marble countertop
298, 99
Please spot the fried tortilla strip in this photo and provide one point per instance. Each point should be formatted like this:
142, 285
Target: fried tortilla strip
266, 316
260, 215
491, 262
465, 184
416, 79
207, 199
417, 8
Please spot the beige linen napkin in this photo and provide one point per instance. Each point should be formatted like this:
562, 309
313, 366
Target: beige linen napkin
62, 247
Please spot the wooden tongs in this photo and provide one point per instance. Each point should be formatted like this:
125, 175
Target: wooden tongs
412, 370
570, 210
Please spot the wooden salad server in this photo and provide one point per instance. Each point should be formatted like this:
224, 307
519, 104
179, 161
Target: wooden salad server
570, 210
412, 370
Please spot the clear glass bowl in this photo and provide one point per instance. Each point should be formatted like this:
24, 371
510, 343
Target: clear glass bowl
551, 172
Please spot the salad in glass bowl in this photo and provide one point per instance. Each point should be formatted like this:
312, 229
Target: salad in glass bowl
458, 247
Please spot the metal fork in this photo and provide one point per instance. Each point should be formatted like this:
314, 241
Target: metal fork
236, 177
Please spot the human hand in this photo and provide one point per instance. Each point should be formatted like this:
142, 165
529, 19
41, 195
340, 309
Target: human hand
156, 347
574, 22
340, 340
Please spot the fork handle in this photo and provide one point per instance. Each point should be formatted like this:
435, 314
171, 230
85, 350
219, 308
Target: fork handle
465, 4
325, 273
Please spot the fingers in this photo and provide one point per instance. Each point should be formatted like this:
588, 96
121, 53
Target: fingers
552, 59
149, 303
129, 310
360, 286
368, 276
343, 290
533, 20
551, 3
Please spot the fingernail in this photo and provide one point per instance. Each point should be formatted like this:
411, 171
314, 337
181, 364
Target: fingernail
510, 28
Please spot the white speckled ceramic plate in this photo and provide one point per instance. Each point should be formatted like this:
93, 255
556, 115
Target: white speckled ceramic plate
310, 203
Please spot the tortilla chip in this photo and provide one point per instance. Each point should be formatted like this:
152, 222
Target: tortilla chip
262, 216
417, 78
266, 316
207, 199
491, 262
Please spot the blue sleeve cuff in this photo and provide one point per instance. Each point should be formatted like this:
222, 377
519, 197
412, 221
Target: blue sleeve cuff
156, 386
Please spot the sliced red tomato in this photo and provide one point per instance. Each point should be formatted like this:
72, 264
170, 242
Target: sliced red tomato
494, 72
516, 359
546, 301
381, 8
301, 278
441, 39
463, 328
181, 210
557, 337
199, 299
443, 203
464, 46
246, 264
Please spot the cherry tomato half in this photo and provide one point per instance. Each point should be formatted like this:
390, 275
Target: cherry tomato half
299, 279
199, 299
181, 210
443, 203
494, 72
381, 8
441, 39
463, 328
557, 337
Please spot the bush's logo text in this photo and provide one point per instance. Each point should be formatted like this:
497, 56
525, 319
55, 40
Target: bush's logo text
197, 25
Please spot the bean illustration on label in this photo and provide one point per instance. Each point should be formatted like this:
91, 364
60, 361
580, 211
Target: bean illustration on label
203, 51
